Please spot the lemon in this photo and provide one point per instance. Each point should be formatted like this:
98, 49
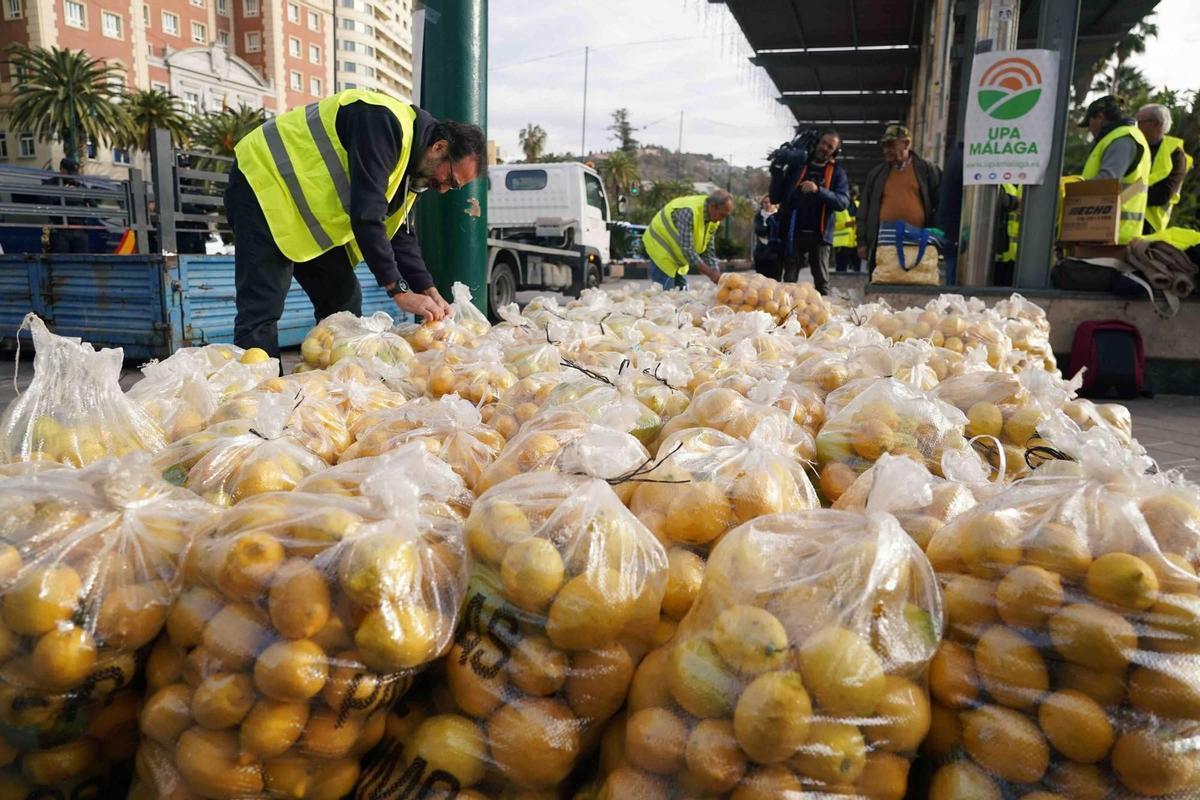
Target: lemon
885, 777
952, 677
531, 572
299, 601
534, 742
772, 717
1122, 580
991, 544
1076, 725
699, 680
626, 783
903, 716
291, 671
537, 667
685, 573
63, 657
715, 763
1010, 668
1150, 762
872, 438
842, 672
1005, 743
598, 681
41, 598
960, 780
492, 526
768, 783
271, 727
398, 636
656, 740
476, 678
1028, 596
749, 639
453, 745
984, 419
648, 687
699, 513
589, 611
222, 700
255, 355
1093, 637
834, 754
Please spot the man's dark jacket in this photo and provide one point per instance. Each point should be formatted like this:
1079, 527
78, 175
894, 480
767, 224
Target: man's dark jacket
929, 179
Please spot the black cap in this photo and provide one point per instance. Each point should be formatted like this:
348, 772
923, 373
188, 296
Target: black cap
1108, 105
69, 166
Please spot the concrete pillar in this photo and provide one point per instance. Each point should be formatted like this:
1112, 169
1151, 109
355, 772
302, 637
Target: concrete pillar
453, 227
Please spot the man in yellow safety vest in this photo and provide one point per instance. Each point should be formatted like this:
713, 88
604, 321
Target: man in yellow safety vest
1122, 153
845, 236
319, 188
1008, 234
1169, 165
680, 236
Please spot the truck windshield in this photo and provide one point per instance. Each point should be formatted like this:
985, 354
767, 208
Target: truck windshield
520, 180
595, 194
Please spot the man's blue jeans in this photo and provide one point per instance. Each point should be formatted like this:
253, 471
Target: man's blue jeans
667, 282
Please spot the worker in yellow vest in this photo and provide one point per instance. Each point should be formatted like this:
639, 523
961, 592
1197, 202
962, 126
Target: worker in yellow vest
1008, 234
319, 188
681, 236
845, 236
1120, 152
1169, 165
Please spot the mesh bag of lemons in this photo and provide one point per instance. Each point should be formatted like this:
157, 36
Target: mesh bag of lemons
90, 561
73, 412
230, 461
885, 416
465, 325
565, 593
799, 301
799, 671
1072, 632
449, 428
344, 335
303, 617
181, 392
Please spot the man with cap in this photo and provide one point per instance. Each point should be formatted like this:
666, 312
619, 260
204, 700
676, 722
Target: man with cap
1169, 165
1120, 153
904, 188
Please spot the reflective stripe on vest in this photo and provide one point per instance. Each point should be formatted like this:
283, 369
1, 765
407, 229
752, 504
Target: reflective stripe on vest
299, 172
1159, 217
1133, 209
661, 239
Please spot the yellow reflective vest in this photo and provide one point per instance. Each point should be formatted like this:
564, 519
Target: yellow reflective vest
661, 238
1159, 217
1013, 223
299, 172
1133, 209
844, 232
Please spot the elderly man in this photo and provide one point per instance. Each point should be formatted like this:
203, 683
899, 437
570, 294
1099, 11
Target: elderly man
904, 188
681, 237
819, 192
1169, 165
1120, 153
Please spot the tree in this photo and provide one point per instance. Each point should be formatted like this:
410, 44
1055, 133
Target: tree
220, 132
533, 140
622, 131
658, 196
66, 95
1129, 45
620, 170
150, 109
1125, 81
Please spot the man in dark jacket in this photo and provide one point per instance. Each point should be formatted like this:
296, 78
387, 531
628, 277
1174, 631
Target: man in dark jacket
819, 191
904, 188
326, 208
68, 240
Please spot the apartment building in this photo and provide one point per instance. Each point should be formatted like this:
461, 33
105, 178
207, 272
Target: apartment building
212, 54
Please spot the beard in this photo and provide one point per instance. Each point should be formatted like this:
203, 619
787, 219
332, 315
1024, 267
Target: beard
424, 177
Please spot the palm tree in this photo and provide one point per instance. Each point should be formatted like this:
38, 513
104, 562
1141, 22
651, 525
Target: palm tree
150, 109
621, 170
66, 95
533, 141
220, 132
1126, 82
1129, 45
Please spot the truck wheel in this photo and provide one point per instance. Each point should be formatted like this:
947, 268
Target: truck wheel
503, 288
592, 277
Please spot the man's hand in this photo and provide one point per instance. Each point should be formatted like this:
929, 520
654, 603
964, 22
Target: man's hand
422, 305
862, 251
808, 187
437, 298
710, 273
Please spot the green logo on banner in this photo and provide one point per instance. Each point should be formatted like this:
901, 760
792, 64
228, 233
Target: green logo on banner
1010, 88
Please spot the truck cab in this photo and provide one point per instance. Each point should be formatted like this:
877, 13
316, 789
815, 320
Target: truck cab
548, 228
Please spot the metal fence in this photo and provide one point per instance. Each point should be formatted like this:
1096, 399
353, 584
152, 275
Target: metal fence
189, 188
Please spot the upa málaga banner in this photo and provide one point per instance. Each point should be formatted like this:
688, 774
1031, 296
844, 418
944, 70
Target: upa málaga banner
1010, 116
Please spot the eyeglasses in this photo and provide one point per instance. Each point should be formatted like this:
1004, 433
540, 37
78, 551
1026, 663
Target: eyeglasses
453, 181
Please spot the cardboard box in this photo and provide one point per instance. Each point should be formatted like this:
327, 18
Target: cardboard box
1091, 211
1095, 250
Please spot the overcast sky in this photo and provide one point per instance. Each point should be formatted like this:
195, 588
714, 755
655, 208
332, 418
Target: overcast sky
536, 73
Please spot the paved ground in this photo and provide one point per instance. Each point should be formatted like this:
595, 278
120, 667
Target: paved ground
1167, 425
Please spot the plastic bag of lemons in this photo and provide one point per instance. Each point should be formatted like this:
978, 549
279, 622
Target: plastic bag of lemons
728, 411
706, 483
520, 403
885, 416
74, 411
230, 461
315, 420
90, 562
449, 428
181, 392
303, 619
770, 386
799, 669
1026, 325
353, 387
528, 358
564, 595
799, 301
344, 335
1073, 632
566, 441
466, 324
477, 375
442, 492
610, 400
756, 338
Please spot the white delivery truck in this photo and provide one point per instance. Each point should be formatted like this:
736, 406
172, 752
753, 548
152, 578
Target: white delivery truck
548, 228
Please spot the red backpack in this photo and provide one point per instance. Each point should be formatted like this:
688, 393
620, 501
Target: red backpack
1111, 351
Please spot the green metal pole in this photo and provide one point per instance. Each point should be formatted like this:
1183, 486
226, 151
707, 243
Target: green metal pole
453, 227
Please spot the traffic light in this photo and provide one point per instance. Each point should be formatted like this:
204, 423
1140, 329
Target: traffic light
634, 188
